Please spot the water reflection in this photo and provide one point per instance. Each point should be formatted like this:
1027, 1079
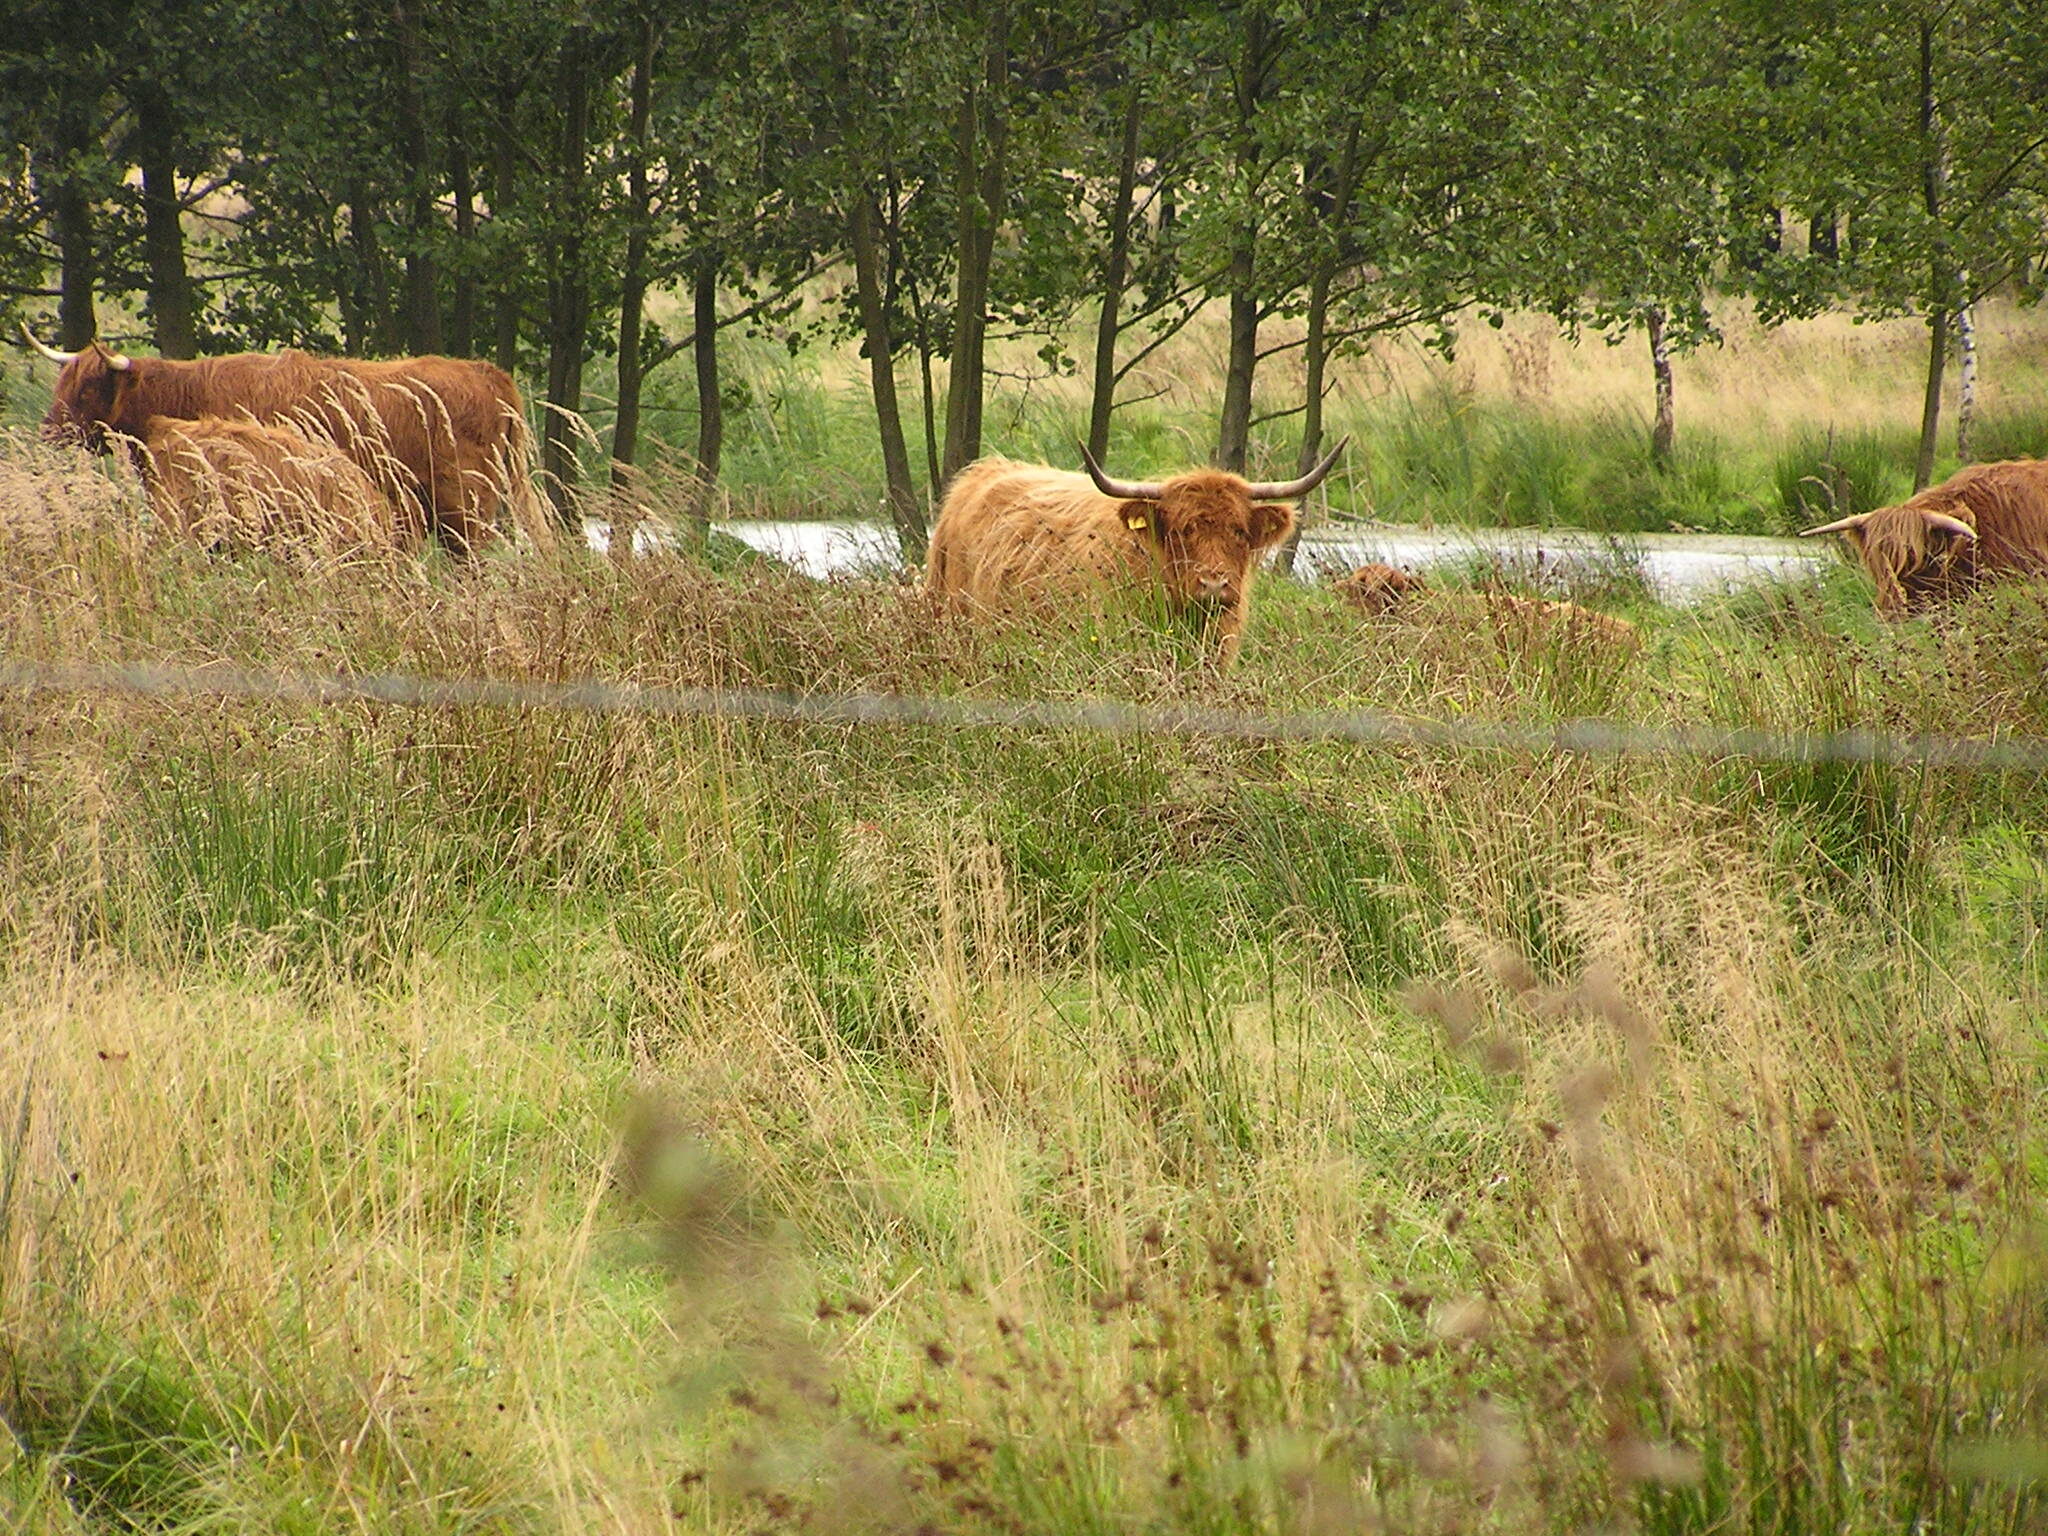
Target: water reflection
1677, 567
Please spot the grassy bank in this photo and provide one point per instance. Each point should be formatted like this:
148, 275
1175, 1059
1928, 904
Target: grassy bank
1522, 427
1778, 429
479, 1120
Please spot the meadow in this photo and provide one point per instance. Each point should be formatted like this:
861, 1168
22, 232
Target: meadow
1777, 427
524, 1120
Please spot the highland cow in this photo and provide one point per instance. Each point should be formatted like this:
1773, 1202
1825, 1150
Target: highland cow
1378, 589
1010, 531
1983, 522
237, 484
447, 434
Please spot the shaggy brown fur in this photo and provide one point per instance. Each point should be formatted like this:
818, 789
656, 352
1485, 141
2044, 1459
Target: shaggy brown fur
1916, 554
1534, 617
1009, 531
239, 484
1376, 588
446, 433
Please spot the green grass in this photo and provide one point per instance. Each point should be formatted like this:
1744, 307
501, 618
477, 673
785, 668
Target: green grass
524, 1121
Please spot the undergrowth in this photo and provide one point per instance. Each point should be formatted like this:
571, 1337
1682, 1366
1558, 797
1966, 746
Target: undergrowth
466, 1119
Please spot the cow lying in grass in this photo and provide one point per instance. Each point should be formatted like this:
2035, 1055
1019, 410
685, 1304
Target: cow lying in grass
1377, 589
1010, 531
1983, 522
236, 484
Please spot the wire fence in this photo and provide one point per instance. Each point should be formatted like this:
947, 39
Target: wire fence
1584, 738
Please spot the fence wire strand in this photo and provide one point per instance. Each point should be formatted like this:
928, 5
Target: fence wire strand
1583, 737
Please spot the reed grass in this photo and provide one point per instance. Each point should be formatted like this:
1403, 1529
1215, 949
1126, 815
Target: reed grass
473, 1120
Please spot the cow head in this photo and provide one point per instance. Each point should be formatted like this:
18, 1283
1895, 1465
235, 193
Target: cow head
89, 396
1208, 528
1916, 555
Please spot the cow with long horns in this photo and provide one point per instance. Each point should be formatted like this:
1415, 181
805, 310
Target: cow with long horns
445, 434
1008, 531
1983, 522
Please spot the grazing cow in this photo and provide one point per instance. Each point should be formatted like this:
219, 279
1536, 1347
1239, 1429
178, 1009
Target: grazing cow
446, 433
1984, 521
1377, 588
239, 484
1011, 530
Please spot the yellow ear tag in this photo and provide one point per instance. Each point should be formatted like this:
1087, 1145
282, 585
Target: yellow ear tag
1135, 522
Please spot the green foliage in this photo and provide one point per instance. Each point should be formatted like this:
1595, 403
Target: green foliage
1821, 478
129, 1435
295, 871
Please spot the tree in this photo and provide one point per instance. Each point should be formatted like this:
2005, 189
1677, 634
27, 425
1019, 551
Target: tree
1939, 109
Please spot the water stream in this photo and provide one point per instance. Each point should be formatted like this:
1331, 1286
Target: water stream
1678, 567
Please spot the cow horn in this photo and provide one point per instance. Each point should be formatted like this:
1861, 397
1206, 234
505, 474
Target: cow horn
59, 358
1954, 525
1288, 490
116, 361
1839, 525
1122, 490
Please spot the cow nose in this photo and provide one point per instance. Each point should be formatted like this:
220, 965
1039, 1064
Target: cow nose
1213, 583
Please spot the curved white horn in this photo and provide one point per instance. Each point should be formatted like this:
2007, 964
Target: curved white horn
1954, 525
1288, 490
1122, 490
59, 358
1839, 525
116, 361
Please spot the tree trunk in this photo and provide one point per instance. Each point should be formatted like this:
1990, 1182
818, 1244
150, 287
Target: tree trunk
1966, 379
568, 286
1116, 276
368, 321
1823, 239
864, 237
1930, 408
864, 234
927, 393
1233, 436
1334, 207
1664, 430
504, 185
633, 274
710, 402
422, 277
1934, 186
462, 183
171, 303
71, 207
982, 154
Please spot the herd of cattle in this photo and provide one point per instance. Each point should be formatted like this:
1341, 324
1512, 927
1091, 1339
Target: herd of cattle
257, 447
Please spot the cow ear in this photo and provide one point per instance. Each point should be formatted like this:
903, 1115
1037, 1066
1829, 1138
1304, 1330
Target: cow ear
1271, 522
1143, 517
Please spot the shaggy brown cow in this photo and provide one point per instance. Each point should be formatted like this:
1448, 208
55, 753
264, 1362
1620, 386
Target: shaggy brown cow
1377, 588
239, 484
447, 433
1010, 530
1536, 617
1984, 521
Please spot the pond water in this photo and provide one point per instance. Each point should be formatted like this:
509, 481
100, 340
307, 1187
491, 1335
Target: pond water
1678, 567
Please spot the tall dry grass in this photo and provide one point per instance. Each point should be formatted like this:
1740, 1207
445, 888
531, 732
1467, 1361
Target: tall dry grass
448, 1120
